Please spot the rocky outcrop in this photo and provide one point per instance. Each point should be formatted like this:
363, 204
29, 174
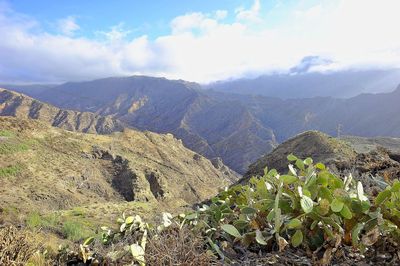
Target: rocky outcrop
319, 146
374, 161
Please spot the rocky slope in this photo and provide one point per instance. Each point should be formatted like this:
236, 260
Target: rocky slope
57, 169
22, 106
319, 146
372, 160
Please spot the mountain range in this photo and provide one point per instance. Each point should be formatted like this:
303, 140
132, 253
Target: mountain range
237, 128
302, 83
83, 153
207, 125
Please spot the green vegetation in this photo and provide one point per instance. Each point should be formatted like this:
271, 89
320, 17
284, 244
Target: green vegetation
36, 220
6, 133
71, 227
10, 147
74, 230
309, 207
10, 170
78, 212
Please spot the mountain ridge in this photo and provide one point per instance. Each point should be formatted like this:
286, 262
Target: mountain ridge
340, 84
237, 128
22, 106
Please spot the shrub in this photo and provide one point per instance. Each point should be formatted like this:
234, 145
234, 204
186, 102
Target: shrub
309, 206
37, 221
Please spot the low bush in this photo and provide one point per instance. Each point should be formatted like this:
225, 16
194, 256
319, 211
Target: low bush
34, 220
308, 207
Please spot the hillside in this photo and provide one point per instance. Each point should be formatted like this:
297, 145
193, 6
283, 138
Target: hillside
319, 146
22, 106
362, 157
59, 170
206, 125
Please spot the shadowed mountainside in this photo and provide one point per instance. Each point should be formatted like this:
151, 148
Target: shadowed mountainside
367, 115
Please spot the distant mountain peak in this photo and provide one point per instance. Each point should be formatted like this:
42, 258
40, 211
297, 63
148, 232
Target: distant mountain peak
308, 62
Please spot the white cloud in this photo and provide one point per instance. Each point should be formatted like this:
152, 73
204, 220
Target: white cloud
116, 34
252, 14
204, 47
68, 25
192, 21
221, 14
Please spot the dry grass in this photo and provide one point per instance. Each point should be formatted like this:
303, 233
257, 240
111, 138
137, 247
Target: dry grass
176, 246
16, 246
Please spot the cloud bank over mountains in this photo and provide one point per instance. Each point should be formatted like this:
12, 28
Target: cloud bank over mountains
205, 47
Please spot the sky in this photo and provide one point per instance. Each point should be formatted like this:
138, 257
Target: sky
46, 41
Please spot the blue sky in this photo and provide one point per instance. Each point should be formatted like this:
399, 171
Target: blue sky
151, 18
148, 17
199, 40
